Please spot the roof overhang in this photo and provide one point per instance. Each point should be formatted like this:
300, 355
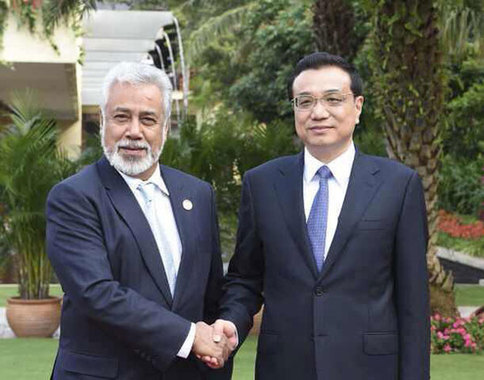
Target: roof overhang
114, 36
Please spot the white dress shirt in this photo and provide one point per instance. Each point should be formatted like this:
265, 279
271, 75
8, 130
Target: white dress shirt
161, 201
337, 185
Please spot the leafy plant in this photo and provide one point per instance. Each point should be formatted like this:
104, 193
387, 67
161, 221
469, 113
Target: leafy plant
461, 189
30, 164
457, 335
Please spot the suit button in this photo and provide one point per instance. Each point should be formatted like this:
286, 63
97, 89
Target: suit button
319, 291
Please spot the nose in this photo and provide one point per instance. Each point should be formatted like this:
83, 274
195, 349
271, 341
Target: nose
134, 129
319, 110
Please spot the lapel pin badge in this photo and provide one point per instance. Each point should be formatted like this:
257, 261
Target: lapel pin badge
187, 204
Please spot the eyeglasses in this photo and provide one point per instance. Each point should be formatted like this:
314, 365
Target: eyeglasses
308, 102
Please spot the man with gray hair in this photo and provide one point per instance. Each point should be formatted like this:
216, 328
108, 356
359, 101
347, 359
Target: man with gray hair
135, 247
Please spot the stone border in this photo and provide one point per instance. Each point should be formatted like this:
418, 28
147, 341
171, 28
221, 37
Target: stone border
460, 258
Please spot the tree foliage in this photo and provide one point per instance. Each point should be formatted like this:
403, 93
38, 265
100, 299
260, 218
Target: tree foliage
248, 71
221, 150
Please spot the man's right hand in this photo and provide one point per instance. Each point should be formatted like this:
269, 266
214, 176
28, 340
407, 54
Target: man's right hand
222, 330
205, 346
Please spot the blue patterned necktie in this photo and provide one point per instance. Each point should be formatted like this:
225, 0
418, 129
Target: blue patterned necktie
147, 190
318, 217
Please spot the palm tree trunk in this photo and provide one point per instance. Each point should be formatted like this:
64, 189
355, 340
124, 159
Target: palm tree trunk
333, 27
410, 88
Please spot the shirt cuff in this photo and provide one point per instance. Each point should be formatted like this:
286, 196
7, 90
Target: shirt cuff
186, 348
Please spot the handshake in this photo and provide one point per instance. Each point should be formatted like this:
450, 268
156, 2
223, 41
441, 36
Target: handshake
214, 344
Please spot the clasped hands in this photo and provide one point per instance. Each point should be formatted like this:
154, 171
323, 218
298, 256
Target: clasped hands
214, 344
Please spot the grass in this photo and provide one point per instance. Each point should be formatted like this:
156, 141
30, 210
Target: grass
456, 367
11, 290
469, 295
26, 359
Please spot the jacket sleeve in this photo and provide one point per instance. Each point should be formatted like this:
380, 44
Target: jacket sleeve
76, 249
244, 281
411, 285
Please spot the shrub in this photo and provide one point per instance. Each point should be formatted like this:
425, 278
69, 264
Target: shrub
456, 335
461, 189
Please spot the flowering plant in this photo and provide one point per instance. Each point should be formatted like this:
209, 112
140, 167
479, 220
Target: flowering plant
463, 335
453, 226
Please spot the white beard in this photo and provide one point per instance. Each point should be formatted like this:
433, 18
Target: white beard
131, 166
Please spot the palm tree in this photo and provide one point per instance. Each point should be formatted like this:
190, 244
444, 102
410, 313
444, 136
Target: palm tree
30, 164
408, 67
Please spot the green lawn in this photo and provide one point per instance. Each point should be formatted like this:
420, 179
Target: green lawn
27, 359
469, 295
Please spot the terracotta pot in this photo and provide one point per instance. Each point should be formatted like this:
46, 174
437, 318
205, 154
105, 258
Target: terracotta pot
34, 318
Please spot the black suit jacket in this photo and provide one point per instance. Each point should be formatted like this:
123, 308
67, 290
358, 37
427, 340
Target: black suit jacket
119, 319
365, 316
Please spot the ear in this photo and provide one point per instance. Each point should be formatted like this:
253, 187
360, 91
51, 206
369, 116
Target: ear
359, 100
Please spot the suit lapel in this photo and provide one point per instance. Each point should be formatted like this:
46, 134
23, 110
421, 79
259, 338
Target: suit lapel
362, 187
289, 190
186, 225
128, 208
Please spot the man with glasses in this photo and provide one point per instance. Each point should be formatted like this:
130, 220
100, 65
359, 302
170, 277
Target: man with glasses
333, 243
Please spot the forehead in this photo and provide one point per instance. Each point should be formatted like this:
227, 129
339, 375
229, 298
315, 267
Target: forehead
327, 78
129, 95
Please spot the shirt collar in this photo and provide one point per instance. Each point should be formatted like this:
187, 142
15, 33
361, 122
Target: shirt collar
340, 167
155, 178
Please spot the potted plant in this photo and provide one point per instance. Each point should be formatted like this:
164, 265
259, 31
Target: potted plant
30, 164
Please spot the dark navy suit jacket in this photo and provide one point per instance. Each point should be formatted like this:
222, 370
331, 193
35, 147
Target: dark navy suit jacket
365, 316
119, 319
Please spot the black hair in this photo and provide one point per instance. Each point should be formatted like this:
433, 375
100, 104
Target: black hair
321, 59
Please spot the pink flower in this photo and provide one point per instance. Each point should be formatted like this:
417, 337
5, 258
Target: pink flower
447, 348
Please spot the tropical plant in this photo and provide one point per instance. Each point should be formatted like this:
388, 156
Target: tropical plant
30, 164
408, 73
462, 25
461, 188
248, 66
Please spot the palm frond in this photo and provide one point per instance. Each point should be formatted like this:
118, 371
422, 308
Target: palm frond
54, 12
215, 28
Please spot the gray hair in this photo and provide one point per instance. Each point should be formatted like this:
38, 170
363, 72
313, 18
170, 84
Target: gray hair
138, 74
